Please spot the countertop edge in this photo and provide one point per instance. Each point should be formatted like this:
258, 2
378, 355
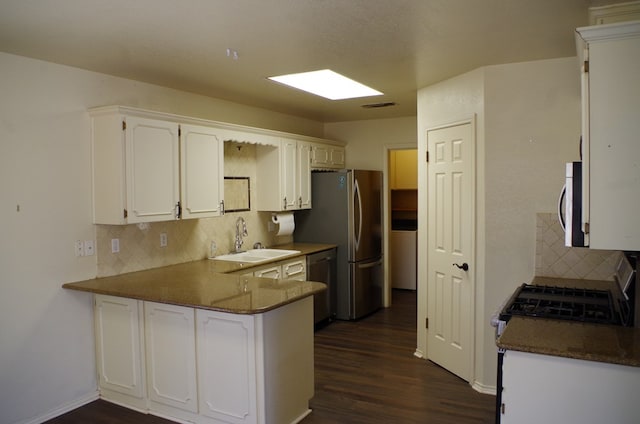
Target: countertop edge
590, 342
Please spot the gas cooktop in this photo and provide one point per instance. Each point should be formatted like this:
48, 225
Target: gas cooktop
566, 303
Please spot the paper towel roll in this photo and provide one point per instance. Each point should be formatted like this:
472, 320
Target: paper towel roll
285, 223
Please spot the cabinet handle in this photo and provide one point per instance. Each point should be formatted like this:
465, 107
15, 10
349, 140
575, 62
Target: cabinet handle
178, 210
300, 201
284, 204
222, 207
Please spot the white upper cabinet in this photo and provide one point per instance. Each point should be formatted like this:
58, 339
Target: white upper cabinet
327, 156
284, 176
147, 169
202, 172
135, 169
611, 151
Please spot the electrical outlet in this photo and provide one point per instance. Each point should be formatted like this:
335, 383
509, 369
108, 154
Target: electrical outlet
79, 248
115, 245
89, 248
163, 239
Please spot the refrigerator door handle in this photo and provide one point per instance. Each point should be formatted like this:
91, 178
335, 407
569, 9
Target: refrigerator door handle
370, 264
358, 234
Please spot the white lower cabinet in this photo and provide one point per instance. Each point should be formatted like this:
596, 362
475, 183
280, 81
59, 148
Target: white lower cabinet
294, 269
119, 350
170, 357
289, 269
550, 389
227, 381
203, 366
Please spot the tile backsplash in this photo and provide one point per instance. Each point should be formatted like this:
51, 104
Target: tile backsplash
554, 259
189, 239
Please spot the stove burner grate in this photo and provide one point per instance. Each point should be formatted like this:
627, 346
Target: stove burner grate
568, 303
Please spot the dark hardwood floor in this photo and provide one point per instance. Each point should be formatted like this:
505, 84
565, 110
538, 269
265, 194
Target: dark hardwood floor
365, 373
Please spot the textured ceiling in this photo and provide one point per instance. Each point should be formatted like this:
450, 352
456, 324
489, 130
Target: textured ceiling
395, 46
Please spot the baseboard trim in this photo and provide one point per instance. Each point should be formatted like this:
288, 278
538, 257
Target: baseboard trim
481, 388
63, 409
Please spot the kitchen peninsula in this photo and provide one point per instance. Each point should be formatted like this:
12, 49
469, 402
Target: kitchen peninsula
194, 343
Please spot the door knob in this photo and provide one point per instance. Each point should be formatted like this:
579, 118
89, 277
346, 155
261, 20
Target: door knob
464, 266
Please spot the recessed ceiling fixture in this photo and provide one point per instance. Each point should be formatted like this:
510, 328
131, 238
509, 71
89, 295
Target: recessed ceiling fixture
328, 84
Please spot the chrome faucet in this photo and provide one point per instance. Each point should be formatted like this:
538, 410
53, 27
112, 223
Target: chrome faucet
241, 231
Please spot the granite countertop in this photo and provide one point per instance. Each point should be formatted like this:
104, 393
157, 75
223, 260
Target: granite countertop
577, 340
203, 284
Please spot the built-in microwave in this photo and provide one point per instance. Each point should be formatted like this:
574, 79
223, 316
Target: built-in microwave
570, 206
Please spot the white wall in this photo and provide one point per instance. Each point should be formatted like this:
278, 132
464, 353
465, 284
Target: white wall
367, 140
46, 335
528, 126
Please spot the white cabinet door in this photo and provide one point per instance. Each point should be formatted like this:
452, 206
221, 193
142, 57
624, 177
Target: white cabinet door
611, 152
202, 172
327, 156
226, 350
119, 359
135, 168
152, 169
283, 176
171, 355
303, 175
289, 151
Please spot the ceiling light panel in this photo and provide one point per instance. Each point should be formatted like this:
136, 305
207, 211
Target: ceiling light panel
328, 84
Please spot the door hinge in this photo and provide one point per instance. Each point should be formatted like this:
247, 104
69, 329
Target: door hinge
586, 228
125, 213
179, 131
427, 156
586, 66
426, 323
124, 125
502, 408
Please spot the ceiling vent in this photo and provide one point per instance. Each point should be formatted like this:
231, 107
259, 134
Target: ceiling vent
378, 105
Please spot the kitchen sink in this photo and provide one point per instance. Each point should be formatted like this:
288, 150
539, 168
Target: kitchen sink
256, 255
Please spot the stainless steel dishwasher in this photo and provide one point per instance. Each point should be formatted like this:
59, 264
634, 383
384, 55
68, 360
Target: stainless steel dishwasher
321, 267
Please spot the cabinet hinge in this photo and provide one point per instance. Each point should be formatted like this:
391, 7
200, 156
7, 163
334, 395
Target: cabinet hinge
426, 323
124, 125
427, 156
179, 131
586, 66
125, 213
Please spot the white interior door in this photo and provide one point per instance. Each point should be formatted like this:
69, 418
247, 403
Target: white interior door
450, 237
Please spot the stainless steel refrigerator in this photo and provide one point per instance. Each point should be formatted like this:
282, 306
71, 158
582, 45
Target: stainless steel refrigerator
347, 211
